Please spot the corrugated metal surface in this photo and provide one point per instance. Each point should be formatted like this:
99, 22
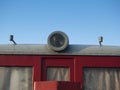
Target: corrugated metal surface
42, 49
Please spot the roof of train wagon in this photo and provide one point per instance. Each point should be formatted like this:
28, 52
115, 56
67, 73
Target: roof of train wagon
43, 49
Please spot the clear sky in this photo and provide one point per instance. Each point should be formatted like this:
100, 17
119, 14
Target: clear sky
31, 21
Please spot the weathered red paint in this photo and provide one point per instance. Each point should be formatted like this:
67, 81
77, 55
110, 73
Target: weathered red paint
22, 61
58, 62
94, 61
55, 85
75, 63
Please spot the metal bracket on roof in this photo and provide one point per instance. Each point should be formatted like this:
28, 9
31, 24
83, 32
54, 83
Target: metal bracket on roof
100, 39
12, 39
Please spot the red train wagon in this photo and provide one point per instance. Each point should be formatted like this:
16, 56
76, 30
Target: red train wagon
59, 66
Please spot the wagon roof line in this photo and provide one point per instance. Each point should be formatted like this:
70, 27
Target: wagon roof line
43, 49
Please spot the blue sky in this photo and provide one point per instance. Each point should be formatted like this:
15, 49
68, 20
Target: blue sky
31, 21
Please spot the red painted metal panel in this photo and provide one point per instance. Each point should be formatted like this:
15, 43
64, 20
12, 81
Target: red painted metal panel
58, 61
93, 62
76, 64
54, 85
23, 61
